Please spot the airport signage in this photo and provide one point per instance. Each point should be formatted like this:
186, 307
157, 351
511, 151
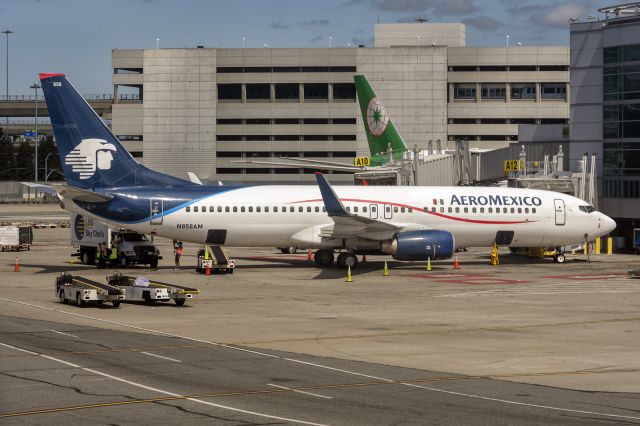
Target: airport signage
362, 161
513, 166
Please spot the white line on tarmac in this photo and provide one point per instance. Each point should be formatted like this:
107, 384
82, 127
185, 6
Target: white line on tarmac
140, 385
64, 334
506, 401
160, 356
353, 373
299, 391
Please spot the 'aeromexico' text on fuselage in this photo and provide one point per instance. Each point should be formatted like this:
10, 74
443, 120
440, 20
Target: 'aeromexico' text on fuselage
494, 200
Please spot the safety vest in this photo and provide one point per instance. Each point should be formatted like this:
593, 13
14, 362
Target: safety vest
114, 252
179, 251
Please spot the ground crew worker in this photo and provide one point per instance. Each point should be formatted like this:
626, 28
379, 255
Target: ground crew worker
100, 257
113, 256
177, 250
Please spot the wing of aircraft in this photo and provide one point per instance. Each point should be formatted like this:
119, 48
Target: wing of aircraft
346, 224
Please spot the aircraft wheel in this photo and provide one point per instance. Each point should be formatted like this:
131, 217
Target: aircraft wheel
559, 258
323, 257
347, 259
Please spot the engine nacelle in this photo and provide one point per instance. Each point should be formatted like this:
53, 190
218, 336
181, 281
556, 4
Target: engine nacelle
420, 245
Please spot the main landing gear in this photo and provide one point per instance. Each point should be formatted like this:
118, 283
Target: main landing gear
325, 257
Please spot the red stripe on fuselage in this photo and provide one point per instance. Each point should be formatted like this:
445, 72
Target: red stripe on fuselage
478, 221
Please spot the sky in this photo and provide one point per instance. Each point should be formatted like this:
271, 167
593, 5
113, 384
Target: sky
76, 37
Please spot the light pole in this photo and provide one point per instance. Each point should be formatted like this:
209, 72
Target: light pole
36, 86
7, 32
46, 175
157, 43
243, 39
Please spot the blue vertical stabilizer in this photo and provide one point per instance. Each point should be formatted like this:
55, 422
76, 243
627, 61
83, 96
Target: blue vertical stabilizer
91, 156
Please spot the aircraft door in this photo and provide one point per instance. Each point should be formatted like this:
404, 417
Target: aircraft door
373, 211
156, 211
561, 214
388, 211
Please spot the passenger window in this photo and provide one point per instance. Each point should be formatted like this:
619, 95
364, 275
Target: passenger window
481, 209
513, 210
266, 209
308, 209
533, 210
441, 209
324, 209
519, 209
505, 210
433, 209
235, 209
473, 210
425, 209
219, 209
250, 209
317, 209
395, 210
300, 209
364, 210
292, 209
348, 208
355, 209
211, 209
242, 209
410, 210
275, 209
526, 209
457, 209
401, 209
195, 209
204, 209
490, 209
450, 209
226, 209
258, 209
188, 209
466, 209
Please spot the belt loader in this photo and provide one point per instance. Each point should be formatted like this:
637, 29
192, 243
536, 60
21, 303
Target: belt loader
85, 291
149, 291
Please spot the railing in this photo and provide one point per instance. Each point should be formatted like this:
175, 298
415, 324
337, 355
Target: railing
89, 97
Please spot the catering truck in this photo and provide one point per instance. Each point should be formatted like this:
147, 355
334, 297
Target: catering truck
87, 235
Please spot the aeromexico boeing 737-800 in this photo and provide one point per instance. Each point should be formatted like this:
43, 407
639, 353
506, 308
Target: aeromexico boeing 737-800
105, 182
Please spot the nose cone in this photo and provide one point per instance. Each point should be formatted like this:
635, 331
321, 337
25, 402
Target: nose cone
607, 224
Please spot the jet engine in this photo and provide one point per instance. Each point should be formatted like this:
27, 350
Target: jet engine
420, 245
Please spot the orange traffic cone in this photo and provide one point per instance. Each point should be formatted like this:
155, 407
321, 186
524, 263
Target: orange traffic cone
309, 255
17, 268
455, 263
208, 270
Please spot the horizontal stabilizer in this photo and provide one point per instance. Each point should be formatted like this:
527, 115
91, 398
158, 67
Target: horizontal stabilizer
79, 194
40, 187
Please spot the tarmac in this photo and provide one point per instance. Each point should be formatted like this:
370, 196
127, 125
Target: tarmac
525, 342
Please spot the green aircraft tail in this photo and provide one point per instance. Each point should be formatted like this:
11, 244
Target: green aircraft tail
377, 124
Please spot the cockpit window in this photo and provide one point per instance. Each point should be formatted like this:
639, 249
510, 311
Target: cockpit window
587, 209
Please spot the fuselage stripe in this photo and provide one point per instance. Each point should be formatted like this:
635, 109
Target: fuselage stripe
445, 216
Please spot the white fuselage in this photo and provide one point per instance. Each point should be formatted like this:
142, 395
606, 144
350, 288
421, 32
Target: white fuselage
262, 216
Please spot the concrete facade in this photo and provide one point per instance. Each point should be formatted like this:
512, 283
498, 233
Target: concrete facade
602, 104
183, 122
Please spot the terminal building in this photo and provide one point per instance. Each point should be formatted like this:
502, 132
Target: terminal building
605, 107
204, 109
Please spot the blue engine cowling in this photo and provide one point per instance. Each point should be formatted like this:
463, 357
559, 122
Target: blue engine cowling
420, 245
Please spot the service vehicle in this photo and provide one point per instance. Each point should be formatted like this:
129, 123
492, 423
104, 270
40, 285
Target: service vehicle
150, 291
85, 291
16, 238
87, 234
216, 260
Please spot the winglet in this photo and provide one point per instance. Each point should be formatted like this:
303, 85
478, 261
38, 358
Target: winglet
331, 202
